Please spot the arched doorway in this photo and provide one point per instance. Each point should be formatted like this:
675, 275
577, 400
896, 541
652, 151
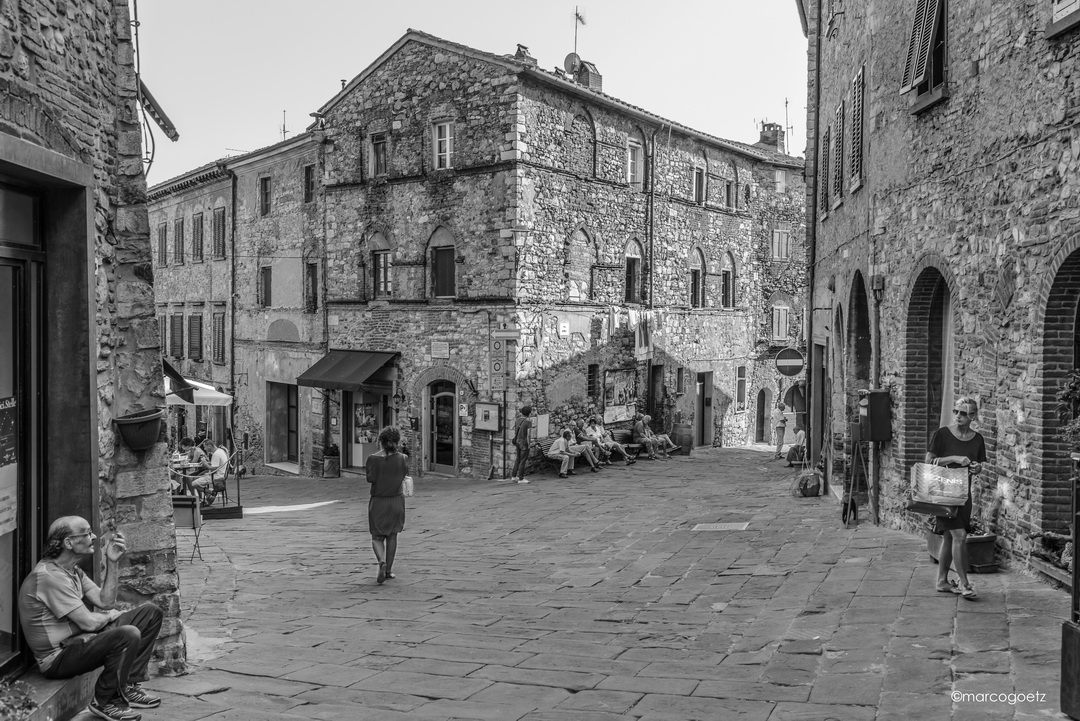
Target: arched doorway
762, 434
1061, 355
442, 427
860, 350
930, 364
795, 401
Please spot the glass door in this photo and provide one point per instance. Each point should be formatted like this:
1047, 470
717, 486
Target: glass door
443, 426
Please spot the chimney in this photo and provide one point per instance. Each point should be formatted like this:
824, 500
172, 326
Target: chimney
772, 137
522, 55
587, 75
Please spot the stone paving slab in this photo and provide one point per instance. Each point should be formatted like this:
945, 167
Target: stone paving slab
593, 600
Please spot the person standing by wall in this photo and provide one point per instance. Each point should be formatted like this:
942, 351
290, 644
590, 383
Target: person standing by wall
957, 446
386, 471
779, 423
522, 425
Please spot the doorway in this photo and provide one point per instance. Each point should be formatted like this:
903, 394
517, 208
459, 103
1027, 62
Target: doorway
442, 422
703, 417
282, 423
366, 414
762, 434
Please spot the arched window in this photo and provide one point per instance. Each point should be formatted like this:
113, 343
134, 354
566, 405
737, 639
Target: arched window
727, 281
382, 285
443, 264
697, 278
633, 285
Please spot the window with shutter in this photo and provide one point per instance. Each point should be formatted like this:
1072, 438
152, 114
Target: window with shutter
162, 339
781, 240
927, 33
311, 301
699, 185
219, 338
443, 270
178, 241
265, 296
857, 89
309, 183
197, 238
176, 335
727, 281
593, 381
443, 143
823, 174
195, 337
265, 196
779, 323
219, 232
740, 389
163, 244
838, 156
632, 287
380, 263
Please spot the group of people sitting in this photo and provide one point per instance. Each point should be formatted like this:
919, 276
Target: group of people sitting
589, 440
211, 462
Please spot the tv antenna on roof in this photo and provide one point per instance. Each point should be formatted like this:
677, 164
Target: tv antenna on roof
579, 19
283, 130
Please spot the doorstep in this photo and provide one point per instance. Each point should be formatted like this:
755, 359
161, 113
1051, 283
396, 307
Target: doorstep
59, 699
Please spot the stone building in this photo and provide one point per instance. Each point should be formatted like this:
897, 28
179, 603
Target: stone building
944, 259
491, 235
78, 334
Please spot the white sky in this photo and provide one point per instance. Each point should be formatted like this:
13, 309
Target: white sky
224, 70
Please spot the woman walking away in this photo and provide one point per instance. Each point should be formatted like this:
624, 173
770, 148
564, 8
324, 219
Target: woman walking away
522, 425
386, 509
957, 446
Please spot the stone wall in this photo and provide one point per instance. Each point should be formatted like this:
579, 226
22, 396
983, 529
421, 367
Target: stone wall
69, 86
973, 192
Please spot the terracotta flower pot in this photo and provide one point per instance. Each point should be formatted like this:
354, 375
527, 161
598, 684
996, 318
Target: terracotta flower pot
980, 551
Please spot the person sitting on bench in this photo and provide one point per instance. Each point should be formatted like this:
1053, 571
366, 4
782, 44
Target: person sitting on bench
603, 439
565, 450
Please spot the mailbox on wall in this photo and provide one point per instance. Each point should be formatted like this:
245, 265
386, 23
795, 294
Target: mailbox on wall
875, 415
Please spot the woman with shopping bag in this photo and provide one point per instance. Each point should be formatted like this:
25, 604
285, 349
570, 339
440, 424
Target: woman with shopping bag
957, 446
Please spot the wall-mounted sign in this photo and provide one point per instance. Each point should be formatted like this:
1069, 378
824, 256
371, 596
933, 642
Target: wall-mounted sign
564, 328
440, 349
487, 417
498, 383
463, 409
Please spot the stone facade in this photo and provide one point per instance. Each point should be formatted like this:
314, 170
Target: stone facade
948, 266
70, 137
463, 193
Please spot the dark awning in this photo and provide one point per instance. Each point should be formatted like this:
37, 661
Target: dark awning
347, 370
179, 386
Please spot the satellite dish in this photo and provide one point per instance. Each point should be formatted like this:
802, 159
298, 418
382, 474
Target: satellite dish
571, 63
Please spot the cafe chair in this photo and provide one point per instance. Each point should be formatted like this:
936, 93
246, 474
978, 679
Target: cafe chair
188, 514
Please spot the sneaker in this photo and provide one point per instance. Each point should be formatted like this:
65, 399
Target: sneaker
523, 480
136, 697
114, 711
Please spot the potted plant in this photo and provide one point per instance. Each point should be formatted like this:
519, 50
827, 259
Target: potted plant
331, 464
981, 541
15, 700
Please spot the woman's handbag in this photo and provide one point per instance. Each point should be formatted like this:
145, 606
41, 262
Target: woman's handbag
939, 485
407, 486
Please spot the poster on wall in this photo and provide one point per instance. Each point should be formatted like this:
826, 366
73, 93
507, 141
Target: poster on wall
614, 414
8, 499
365, 425
8, 437
620, 387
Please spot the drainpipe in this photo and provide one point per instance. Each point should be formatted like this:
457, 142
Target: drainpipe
231, 249
811, 243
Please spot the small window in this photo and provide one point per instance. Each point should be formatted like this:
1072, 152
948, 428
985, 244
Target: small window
442, 261
265, 296
635, 166
176, 335
265, 196
781, 181
163, 244
197, 238
219, 338
697, 279
379, 143
856, 163
632, 288
309, 183
380, 263
163, 340
781, 240
178, 241
924, 67
195, 337
779, 323
680, 380
219, 233
699, 185
444, 146
729, 194
838, 155
823, 168
740, 389
727, 282
311, 287
593, 386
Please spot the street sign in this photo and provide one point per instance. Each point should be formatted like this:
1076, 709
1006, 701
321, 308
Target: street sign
506, 334
790, 362
498, 383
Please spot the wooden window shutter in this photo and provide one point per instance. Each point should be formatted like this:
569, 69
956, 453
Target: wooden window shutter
443, 260
176, 336
857, 91
823, 175
838, 146
195, 337
219, 233
219, 337
919, 44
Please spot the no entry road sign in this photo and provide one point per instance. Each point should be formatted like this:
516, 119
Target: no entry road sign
790, 362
